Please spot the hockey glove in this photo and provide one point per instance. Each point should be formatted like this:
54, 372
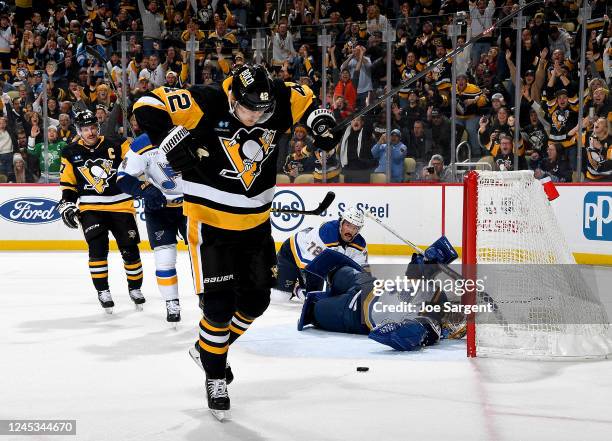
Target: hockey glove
182, 151
153, 197
70, 213
321, 121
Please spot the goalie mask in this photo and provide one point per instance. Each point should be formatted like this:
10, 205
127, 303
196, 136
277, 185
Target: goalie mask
252, 89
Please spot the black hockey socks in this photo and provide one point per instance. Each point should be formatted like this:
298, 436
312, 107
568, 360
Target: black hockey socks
133, 271
214, 341
238, 326
98, 268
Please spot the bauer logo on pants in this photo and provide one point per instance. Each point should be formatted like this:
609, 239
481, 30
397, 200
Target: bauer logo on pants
30, 211
597, 221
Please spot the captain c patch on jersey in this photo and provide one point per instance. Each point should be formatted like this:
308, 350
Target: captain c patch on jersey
97, 173
247, 150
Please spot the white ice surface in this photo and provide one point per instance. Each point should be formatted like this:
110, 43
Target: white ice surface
128, 377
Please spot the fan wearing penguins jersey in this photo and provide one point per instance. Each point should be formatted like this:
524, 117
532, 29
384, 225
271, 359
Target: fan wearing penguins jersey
162, 193
223, 142
350, 304
298, 252
88, 175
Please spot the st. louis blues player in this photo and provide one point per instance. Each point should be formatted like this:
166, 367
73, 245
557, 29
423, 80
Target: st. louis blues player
162, 194
298, 252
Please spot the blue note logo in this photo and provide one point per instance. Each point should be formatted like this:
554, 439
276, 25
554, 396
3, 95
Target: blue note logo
597, 223
30, 211
287, 199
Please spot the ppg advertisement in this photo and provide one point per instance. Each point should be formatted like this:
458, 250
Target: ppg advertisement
598, 215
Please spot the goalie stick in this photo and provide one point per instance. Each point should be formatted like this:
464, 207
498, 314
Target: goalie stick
445, 268
346, 122
323, 205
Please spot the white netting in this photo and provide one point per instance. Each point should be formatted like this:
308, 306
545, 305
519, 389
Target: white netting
543, 307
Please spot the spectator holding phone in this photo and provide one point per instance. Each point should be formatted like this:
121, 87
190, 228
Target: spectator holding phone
398, 153
436, 171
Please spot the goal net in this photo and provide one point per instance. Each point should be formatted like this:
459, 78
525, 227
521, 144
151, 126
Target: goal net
539, 305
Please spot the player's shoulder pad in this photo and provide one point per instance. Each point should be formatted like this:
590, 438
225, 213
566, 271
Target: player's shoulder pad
141, 144
358, 242
153, 98
329, 232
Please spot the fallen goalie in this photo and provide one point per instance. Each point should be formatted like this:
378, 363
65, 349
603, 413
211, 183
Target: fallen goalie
404, 318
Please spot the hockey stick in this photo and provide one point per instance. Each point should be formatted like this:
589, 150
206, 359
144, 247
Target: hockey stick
323, 205
94, 53
346, 122
445, 268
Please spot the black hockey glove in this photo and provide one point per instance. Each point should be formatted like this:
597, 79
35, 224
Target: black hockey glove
70, 213
321, 121
182, 151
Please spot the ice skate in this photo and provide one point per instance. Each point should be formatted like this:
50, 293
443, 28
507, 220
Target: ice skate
137, 298
106, 301
218, 398
194, 352
173, 312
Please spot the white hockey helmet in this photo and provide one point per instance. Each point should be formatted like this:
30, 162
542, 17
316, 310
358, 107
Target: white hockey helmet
353, 216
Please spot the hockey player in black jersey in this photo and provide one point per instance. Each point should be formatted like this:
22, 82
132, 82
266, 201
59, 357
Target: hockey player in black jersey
223, 141
88, 175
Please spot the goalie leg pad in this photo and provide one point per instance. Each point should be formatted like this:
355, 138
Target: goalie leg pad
307, 314
409, 335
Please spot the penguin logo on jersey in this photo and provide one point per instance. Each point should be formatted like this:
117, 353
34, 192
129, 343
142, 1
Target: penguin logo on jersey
247, 150
97, 173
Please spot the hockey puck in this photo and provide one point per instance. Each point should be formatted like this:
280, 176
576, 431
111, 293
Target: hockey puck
362, 368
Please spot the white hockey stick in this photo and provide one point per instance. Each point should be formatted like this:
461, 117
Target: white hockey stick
445, 268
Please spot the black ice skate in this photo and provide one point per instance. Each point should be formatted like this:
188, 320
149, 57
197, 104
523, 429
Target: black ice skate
218, 399
194, 352
137, 298
173, 311
106, 301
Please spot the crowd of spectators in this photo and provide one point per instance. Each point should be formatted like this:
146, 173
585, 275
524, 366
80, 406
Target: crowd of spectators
177, 43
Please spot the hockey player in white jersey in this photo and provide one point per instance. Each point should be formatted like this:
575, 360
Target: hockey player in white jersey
162, 195
297, 252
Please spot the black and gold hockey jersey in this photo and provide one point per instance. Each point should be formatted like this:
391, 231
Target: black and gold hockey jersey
233, 188
599, 159
89, 174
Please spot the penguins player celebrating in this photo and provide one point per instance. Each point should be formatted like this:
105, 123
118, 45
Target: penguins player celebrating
223, 142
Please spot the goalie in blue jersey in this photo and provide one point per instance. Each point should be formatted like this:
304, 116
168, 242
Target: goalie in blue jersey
355, 303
